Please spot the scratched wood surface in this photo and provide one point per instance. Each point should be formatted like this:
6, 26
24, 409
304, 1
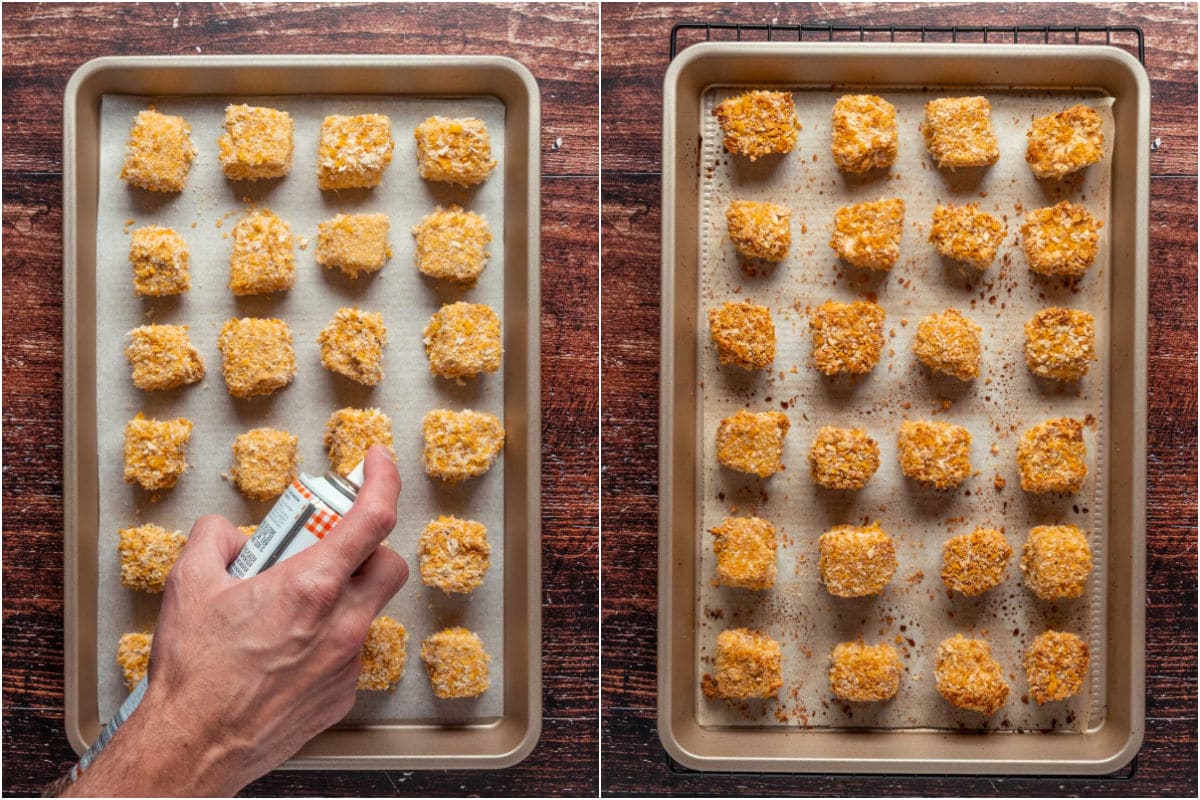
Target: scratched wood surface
43, 45
634, 57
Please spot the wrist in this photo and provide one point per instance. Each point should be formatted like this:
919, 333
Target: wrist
188, 756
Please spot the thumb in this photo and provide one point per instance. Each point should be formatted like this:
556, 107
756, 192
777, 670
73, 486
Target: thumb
214, 541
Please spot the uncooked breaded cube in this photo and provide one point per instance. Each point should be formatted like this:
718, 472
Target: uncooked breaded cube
133, 654
968, 677
747, 664
156, 451
1060, 343
455, 554
856, 561
452, 244
162, 357
350, 433
758, 123
744, 334
966, 234
463, 340
352, 345
864, 133
264, 462
256, 356
353, 151
1062, 143
863, 673
958, 132
753, 443
462, 444
256, 143
456, 662
975, 562
935, 454
949, 343
1056, 561
867, 235
760, 230
159, 152
264, 255
842, 458
745, 550
384, 654
1055, 666
847, 337
454, 150
1062, 240
354, 243
159, 258
1052, 457
147, 554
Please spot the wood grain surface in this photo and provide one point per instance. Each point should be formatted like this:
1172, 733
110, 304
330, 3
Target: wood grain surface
634, 57
43, 45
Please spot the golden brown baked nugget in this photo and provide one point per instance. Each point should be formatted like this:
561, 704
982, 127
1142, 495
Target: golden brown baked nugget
1060, 343
936, 454
264, 255
353, 151
975, 562
351, 432
162, 357
864, 133
745, 549
463, 340
867, 235
758, 123
1055, 665
133, 654
256, 356
147, 554
159, 258
847, 337
455, 554
744, 334
958, 132
843, 458
1062, 240
1066, 142
968, 677
752, 443
384, 654
256, 143
1052, 457
454, 150
759, 230
452, 244
1056, 561
354, 243
156, 451
863, 673
456, 662
966, 234
748, 664
856, 561
352, 345
949, 343
461, 444
264, 462
159, 152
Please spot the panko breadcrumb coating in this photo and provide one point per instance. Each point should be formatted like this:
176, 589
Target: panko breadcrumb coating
1062, 143
843, 458
162, 357
1062, 240
760, 230
156, 451
936, 454
256, 143
863, 673
133, 654
966, 234
856, 561
968, 677
351, 432
745, 549
455, 554
452, 244
352, 345
456, 662
1056, 561
463, 340
753, 443
256, 356
354, 243
1052, 457
975, 562
1060, 343
748, 664
247, 530
384, 654
867, 235
454, 150
758, 123
847, 337
147, 554
264, 255
744, 334
159, 257
353, 151
958, 132
159, 152
1055, 665
864, 133
949, 343
462, 444
264, 462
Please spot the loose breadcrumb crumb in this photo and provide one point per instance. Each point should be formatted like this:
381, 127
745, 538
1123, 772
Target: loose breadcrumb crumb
1062, 240
760, 230
864, 133
456, 662
975, 562
748, 664
452, 245
256, 356
752, 443
354, 243
1052, 457
156, 451
460, 445
133, 654
264, 255
455, 554
159, 152
958, 132
856, 561
949, 343
256, 143
1056, 561
968, 677
162, 357
1055, 665
847, 337
843, 458
1060, 343
966, 234
744, 334
147, 554
351, 432
867, 235
264, 462
352, 345
1066, 142
863, 673
159, 258
384, 655
353, 151
745, 549
463, 340
758, 123
454, 150
936, 454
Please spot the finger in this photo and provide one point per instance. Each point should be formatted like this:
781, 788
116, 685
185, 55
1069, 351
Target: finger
213, 541
378, 580
369, 521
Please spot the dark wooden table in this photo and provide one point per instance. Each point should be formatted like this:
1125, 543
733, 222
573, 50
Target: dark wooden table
634, 57
43, 45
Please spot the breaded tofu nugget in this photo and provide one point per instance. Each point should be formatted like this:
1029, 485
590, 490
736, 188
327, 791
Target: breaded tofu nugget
354, 243
864, 133
752, 443
744, 334
159, 152
247, 530
843, 458
133, 654
264, 462
1061, 241
760, 231
935, 454
384, 654
256, 143
147, 554
352, 345
758, 123
461, 444
966, 234
975, 562
452, 245
1056, 562
456, 662
1055, 665
748, 664
159, 257
863, 673
856, 561
958, 132
156, 451
867, 235
256, 356
1066, 142
351, 432
847, 338
454, 150
1052, 457
745, 549
463, 340
1060, 343
949, 343
353, 151
455, 554
264, 255
162, 357
968, 677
